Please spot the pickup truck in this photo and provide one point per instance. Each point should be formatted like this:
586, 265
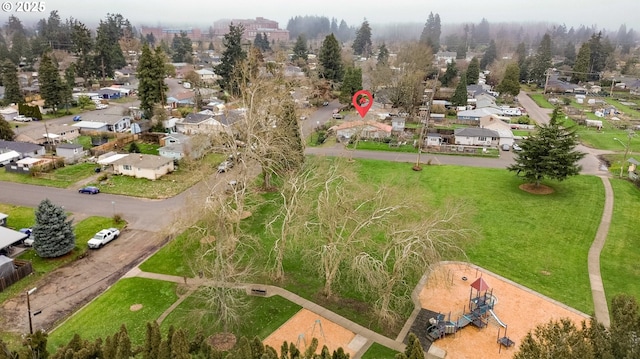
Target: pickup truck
103, 237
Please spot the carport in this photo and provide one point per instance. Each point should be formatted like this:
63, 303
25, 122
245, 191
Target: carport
9, 237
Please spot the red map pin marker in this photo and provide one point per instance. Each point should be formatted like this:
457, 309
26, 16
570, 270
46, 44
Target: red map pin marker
362, 101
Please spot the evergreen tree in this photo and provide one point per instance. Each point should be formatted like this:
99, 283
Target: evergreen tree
12, 93
151, 73
449, 74
152, 341
362, 44
556, 339
108, 54
383, 55
124, 344
510, 83
181, 47
549, 153
257, 348
542, 61
82, 47
570, 54
331, 59
180, 345
261, 42
6, 132
431, 32
600, 51
351, 84
300, 51
459, 97
625, 326
110, 347
232, 56
581, 67
52, 234
345, 33
489, 56
473, 71
50, 83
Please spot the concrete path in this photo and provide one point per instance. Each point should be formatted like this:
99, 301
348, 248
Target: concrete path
600, 306
591, 166
356, 328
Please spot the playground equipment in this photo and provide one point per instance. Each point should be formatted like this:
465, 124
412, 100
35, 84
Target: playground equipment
479, 313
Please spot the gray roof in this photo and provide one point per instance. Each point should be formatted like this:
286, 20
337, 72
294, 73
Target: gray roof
9, 237
20, 147
196, 118
69, 145
143, 161
476, 132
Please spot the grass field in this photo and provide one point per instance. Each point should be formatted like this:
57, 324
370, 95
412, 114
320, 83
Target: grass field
108, 312
540, 100
61, 177
377, 351
173, 258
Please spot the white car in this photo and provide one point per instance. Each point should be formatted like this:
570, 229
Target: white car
103, 237
101, 106
22, 118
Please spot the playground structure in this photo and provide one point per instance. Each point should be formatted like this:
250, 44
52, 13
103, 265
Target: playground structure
479, 314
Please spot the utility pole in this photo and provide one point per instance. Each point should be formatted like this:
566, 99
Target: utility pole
546, 81
424, 118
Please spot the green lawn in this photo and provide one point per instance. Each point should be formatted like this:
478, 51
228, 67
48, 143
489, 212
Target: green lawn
263, 316
108, 312
620, 257
61, 177
174, 258
606, 139
624, 108
147, 148
522, 133
165, 187
378, 351
541, 100
381, 146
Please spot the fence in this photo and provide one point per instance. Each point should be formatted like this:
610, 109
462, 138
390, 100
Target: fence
117, 145
23, 269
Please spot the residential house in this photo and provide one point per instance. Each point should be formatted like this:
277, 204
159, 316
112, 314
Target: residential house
433, 140
397, 124
71, 152
206, 75
362, 129
446, 57
169, 125
124, 72
143, 166
25, 165
91, 126
8, 156
203, 122
25, 149
293, 71
484, 100
186, 98
475, 115
473, 136
8, 113
178, 146
501, 126
117, 123
52, 133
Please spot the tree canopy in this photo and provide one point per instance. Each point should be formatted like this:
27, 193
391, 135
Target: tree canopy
331, 59
362, 43
431, 32
510, 83
232, 56
6, 132
300, 51
549, 153
460, 96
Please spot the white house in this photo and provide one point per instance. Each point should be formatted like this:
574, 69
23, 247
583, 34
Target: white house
91, 126
206, 75
143, 166
500, 125
71, 152
199, 123
472, 136
362, 129
476, 114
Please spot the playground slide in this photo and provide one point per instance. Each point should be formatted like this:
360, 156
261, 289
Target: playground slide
497, 319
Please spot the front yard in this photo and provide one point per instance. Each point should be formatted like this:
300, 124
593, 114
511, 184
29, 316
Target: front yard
60, 178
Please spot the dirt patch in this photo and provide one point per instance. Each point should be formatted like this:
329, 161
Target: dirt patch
539, 189
520, 309
208, 239
306, 325
222, 341
135, 307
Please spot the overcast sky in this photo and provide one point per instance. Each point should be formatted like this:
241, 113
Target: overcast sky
609, 14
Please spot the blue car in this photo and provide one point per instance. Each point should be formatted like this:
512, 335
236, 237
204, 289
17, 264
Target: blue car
89, 190
77, 118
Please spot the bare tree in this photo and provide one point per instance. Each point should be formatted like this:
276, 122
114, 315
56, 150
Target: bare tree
411, 251
344, 216
294, 205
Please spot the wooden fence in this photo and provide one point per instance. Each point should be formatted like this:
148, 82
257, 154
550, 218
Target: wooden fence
117, 145
23, 269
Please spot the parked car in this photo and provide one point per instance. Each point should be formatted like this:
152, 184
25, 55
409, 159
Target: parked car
505, 147
103, 237
516, 147
89, 190
77, 118
101, 106
326, 103
225, 166
22, 118
337, 116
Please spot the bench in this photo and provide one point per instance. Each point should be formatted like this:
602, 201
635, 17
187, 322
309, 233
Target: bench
258, 291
